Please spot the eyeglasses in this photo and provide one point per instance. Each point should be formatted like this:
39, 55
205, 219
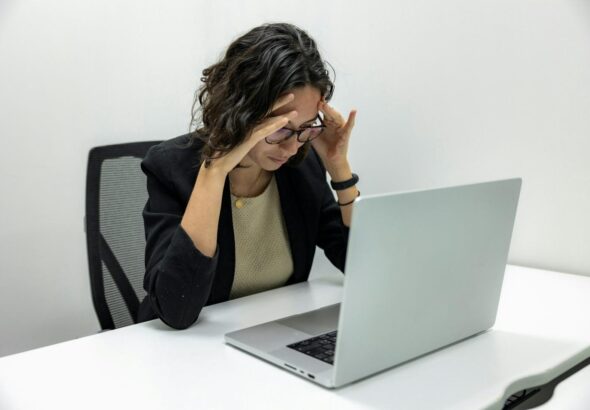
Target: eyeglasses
304, 135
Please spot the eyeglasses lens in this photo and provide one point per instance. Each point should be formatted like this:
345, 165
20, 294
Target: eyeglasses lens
310, 134
279, 136
283, 134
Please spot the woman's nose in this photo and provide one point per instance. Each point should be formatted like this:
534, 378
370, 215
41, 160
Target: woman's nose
291, 145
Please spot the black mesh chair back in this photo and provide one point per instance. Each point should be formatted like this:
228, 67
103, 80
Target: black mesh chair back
115, 196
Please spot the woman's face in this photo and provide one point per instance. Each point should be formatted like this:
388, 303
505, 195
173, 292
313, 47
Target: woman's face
270, 157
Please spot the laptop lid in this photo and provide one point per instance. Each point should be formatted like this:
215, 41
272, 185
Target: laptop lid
424, 269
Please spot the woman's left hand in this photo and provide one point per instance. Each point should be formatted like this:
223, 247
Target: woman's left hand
332, 144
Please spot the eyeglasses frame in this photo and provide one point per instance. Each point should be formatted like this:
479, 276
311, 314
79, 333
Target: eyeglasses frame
299, 132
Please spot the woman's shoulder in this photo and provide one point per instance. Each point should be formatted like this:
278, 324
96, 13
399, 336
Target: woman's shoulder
180, 151
174, 161
183, 146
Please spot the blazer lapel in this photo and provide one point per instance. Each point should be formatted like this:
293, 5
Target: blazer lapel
293, 222
226, 265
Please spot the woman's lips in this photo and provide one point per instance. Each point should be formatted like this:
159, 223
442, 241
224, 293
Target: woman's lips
278, 160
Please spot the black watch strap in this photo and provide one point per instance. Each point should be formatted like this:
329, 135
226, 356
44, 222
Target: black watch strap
339, 186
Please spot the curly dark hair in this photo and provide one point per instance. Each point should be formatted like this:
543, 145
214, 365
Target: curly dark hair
239, 91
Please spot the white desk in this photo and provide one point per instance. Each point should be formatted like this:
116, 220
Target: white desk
542, 329
572, 394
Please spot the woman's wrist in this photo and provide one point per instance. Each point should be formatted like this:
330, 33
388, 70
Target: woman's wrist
212, 173
339, 172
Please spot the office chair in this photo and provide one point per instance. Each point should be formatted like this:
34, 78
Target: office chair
115, 196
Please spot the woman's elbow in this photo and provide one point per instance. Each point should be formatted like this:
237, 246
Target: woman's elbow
178, 315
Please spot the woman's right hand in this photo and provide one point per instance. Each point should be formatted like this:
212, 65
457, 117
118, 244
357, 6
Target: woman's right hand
266, 127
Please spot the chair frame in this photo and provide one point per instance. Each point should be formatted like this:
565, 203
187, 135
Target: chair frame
98, 249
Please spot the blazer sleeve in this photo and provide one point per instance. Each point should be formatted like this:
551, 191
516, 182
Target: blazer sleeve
332, 233
178, 276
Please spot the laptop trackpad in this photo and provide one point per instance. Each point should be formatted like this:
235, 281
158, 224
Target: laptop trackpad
315, 322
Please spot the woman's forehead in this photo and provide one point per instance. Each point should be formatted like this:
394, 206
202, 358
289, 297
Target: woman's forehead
305, 103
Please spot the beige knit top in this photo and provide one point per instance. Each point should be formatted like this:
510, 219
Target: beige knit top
263, 254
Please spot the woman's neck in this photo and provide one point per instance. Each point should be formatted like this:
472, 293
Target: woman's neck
249, 180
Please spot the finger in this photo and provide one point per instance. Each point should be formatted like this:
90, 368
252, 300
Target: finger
330, 111
284, 99
273, 124
351, 120
332, 114
289, 116
324, 110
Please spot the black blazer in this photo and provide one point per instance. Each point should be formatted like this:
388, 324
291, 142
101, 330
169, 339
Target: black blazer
179, 279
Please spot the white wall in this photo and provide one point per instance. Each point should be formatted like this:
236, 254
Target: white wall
447, 92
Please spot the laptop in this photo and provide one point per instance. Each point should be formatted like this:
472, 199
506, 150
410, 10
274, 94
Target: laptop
424, 270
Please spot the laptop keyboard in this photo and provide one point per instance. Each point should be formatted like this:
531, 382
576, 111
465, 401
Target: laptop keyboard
321, 347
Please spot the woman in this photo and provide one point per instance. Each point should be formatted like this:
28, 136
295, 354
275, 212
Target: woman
239, 205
